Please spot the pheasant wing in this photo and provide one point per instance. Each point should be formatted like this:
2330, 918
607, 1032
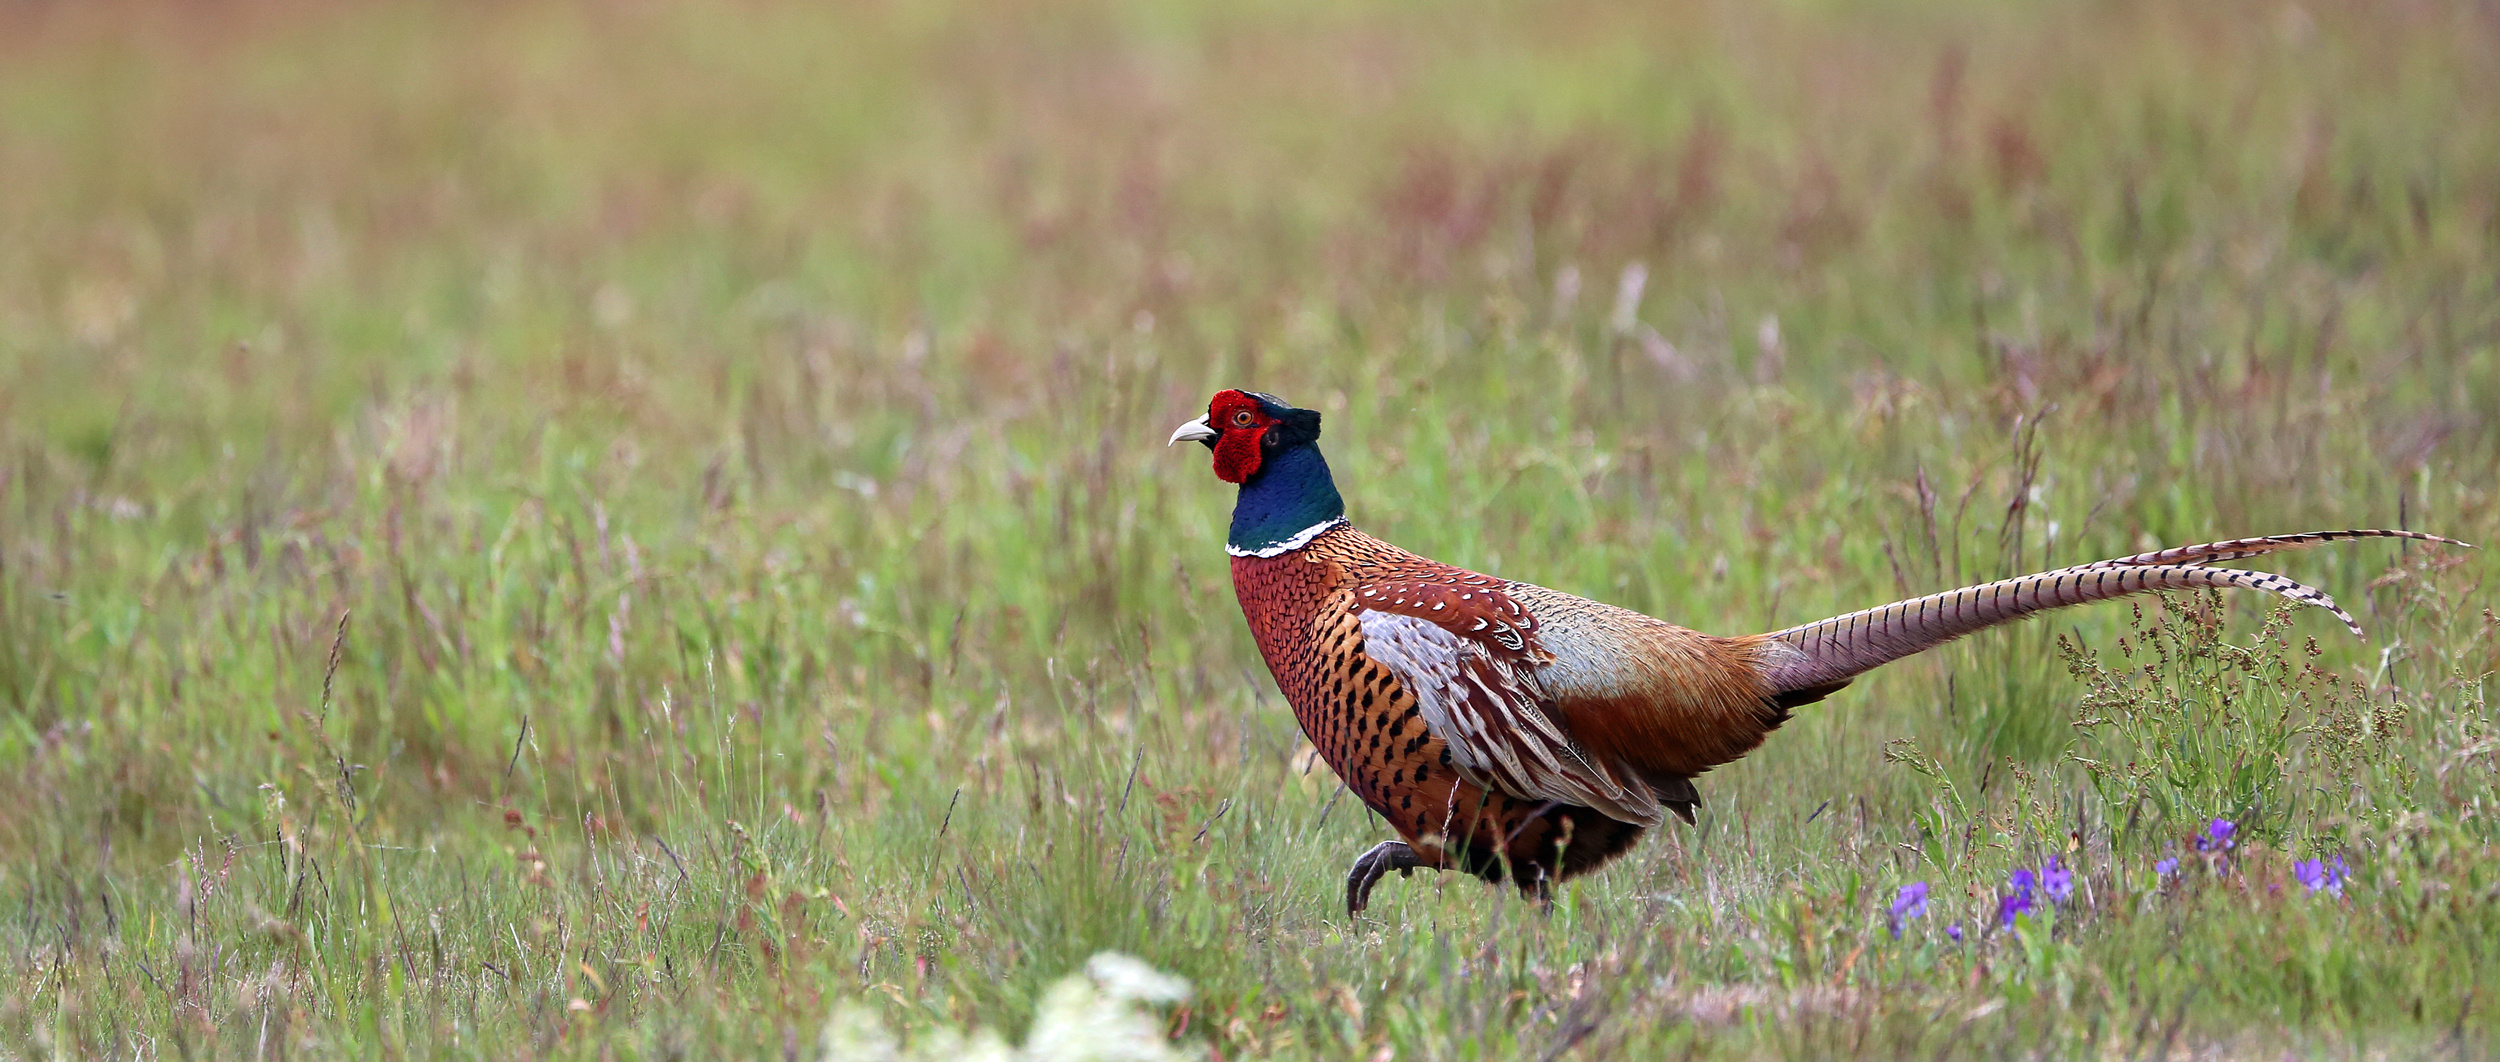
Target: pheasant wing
1468, 651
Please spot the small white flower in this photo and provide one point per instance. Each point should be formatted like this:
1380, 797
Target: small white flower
856, 1034
1127, 977
947, 1045
1091, 1017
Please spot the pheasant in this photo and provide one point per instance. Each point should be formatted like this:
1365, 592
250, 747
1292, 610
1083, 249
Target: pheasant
1508, 730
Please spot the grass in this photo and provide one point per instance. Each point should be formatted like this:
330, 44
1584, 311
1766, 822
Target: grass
580, 531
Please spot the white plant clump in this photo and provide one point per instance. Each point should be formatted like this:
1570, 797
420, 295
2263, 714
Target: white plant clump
1100, 1015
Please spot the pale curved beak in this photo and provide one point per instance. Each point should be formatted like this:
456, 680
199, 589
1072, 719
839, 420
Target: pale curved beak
1194, 431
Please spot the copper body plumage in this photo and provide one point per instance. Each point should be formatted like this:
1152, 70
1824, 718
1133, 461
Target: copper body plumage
1306, 610
1527, 735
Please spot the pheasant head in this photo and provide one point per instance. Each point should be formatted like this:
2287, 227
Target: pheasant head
1272, 451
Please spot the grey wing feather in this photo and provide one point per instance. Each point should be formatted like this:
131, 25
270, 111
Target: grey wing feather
1490, 714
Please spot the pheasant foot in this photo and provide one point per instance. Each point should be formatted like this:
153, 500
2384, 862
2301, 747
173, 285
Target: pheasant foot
1372, 866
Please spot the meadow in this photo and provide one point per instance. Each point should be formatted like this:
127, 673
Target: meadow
627, 529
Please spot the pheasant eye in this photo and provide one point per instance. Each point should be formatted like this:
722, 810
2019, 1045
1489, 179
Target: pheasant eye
1241, 418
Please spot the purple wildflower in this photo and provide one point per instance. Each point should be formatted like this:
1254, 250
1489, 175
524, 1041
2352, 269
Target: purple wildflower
2022, 879
1954, 932
2058, 882
2167, 868
1910, 903
2013, 906
2322, 877
2217, 837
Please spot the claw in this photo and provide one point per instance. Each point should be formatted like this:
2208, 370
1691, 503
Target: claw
1542, 891
1372, 866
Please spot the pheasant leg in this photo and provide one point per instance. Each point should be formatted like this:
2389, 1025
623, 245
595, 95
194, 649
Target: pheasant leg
1372, 866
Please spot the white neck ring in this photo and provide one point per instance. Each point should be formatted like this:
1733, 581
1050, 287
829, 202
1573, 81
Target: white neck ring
1298, 540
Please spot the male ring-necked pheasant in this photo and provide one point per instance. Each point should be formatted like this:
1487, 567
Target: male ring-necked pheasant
1507, 729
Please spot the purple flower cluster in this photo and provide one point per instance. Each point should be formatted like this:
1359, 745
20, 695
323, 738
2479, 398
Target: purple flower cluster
2319, 876
2222, 835
2053, 883
2058, 882
2013, 905
2218, 836
1910, 903
2053, 880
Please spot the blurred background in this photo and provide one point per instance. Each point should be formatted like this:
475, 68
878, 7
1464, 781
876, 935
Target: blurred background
561, 485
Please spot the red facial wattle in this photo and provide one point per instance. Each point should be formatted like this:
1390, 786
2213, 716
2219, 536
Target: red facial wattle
1237, 454
1241, 447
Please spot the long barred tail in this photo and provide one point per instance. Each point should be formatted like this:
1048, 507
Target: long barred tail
1828, 653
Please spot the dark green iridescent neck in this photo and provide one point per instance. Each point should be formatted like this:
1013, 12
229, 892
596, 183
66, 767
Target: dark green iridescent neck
1291, 499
